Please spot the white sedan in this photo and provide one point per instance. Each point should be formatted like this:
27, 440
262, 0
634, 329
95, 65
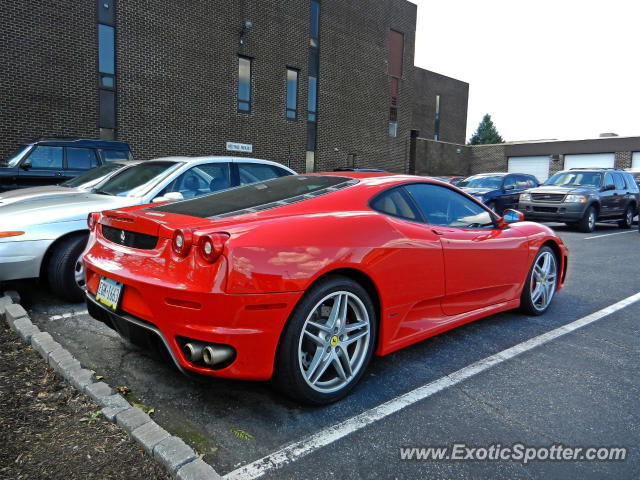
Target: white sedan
44, 236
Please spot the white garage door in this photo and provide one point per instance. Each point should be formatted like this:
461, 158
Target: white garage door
635, 160
537, 166
590, 160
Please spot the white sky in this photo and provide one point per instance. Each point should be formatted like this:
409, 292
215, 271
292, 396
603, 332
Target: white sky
565, 69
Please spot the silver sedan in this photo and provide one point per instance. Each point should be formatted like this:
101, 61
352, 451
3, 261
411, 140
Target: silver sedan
45, 236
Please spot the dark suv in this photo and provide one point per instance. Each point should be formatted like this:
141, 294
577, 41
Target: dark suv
48, 161
583, 196
498, 191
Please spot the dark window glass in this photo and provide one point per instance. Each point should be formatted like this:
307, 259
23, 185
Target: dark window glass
244, 84
313, 98
257, 172
292, 93
510, 181
313, 62
620, 185
92, 176
283, 189
311, 135
46, 157
200, 179
314, 19
608, 179
444, 207
81, 158
113, 155
137, 180
107, 81
394, 202
106, 49
107, 109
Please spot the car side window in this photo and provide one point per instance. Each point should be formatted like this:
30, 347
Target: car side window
114, 155
45, 157
619, 181
81, 158
395, 203
200, 179
510, 181
256, 172
444, 207
608, 179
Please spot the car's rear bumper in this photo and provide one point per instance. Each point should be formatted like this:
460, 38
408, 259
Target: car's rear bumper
552, 211
22, 259
176, 314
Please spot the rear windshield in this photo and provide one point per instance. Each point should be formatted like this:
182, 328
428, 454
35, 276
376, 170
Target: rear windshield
92, 175
257, 196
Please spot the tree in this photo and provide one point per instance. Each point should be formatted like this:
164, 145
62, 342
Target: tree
486, 133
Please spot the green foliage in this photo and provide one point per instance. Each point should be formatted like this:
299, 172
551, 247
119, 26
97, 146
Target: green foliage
486, 133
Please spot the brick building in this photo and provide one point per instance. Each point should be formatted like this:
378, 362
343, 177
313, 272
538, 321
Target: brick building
313, 84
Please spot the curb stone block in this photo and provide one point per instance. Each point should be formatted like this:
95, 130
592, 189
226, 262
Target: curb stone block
13, 312
13, 295
80, 378
23, 327
149, 435
97, 390
132, 418
58, 356
44, 344
110, 412
197, 470
113, 401
173, 453
68, 367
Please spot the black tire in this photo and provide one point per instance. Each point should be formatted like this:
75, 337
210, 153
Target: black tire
588, 222
61, 268
627, 218
530, 302
332, 349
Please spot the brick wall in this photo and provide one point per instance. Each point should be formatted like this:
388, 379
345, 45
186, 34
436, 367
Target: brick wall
47, 71
441, 158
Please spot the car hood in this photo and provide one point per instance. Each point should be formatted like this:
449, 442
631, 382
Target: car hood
559, 189
477, 191
47, 191
60, 208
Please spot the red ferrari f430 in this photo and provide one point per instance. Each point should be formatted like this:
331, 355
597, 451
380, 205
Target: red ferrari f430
302, 279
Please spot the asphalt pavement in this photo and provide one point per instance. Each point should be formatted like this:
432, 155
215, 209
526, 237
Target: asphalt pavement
577, 390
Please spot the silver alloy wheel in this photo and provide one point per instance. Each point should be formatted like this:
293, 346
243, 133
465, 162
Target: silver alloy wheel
628, 217
78, 274
334, 342
592, 220
543, 280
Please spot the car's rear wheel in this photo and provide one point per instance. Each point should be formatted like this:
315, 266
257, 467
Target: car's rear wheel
541, 283
327, 342
588, 221
627, 218
65, 270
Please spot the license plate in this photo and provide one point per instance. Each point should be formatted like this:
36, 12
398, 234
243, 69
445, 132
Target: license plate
109, 292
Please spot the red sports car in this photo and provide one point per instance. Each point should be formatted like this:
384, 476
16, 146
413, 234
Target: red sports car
302, 278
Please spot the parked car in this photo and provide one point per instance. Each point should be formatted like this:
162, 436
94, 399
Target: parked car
580, 197
498, 191
49, 161
83, 182
45, 236
452, 179
302, 278
635, 173
364, 169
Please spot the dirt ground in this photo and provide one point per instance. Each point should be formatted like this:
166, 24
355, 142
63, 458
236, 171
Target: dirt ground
48, 430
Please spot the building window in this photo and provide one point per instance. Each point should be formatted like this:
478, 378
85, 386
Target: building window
106, 68
244, 84
313, 98
393, 122
106, 49
394, 65
314, 23
292, 93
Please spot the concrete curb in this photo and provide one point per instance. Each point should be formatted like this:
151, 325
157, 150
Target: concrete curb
170, 451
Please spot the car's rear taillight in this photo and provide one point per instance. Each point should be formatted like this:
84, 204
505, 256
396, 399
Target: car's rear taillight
92, 220
212, 245
181, 241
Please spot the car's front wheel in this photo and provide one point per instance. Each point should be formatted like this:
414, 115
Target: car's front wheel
541, 283
627, 218
65, 269
588, 221
327, 343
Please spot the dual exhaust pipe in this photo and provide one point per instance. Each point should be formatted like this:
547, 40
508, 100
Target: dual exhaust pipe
211, 355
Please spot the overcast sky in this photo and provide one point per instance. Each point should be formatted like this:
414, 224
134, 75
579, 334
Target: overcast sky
565, 69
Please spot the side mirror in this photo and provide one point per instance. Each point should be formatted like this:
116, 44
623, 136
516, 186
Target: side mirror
608, 187
509, 187
510, 216
169, 197
25, 165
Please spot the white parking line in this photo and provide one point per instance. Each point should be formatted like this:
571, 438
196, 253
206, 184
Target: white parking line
304, 447
68, 315
608, 234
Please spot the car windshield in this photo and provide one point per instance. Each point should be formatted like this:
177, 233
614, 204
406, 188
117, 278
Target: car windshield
482, 182
92, 176
257, 196
14, 159
575, 179
138, 180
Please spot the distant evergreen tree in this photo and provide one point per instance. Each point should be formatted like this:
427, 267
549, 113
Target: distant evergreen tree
486, 133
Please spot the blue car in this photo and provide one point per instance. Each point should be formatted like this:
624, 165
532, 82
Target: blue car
498, 191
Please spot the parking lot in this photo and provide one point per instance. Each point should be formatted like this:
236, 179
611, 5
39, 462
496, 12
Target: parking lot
495, 381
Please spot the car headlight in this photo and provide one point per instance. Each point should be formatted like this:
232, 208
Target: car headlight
575, 199
525, 197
